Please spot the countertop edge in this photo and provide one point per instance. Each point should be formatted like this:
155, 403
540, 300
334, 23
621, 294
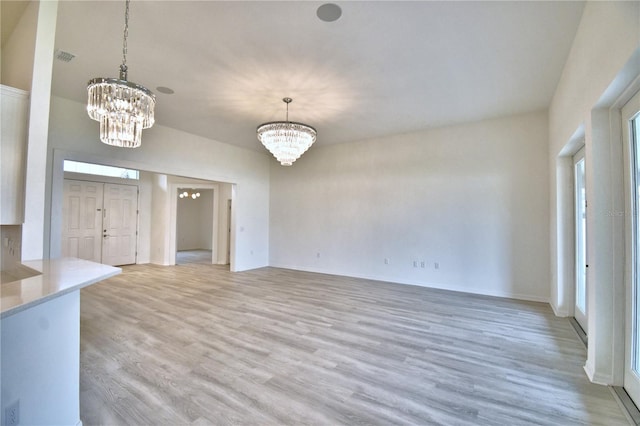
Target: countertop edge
75, 287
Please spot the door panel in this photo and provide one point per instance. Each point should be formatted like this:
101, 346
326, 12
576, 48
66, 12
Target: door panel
631, 136
120, 224
82, 219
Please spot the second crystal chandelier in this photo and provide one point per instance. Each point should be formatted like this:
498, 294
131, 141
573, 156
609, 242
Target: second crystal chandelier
286, 140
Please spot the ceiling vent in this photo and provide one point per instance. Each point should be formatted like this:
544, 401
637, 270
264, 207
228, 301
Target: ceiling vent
63, 56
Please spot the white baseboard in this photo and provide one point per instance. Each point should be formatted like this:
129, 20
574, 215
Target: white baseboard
595, 377
439, 286
559, 313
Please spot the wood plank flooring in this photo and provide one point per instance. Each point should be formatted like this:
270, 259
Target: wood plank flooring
196, 344
193, 256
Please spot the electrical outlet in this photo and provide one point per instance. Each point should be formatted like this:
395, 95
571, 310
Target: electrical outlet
386, 261
12, 414
415, 263
422, 264
436, 265
318, 255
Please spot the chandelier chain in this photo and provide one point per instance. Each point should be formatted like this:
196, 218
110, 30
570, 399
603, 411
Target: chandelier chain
287, 101
123, 67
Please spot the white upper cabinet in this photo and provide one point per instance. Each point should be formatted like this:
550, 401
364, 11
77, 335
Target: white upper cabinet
14, 110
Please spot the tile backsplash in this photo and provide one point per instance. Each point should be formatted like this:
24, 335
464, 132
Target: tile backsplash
11, 246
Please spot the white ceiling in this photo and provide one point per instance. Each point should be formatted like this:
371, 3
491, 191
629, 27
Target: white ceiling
382, 68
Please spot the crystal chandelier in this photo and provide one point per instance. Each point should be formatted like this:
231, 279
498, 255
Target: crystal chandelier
286, 140
123, 108
186, 194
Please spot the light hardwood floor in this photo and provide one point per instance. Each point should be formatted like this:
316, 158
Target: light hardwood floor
196, 344
193, 256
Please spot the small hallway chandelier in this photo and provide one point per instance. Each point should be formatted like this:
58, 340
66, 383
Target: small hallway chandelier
286, 140
186, 194
123, 108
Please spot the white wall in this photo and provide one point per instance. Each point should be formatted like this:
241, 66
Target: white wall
165, 150
17, 51
473, 198
160, 223
194, 224
40, 359
206, 219
34, 229
606, 38
604, 60
145, 185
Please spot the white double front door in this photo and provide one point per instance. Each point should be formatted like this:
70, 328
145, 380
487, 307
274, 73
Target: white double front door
100, 222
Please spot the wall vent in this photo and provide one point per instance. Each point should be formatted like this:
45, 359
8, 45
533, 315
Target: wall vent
63, 56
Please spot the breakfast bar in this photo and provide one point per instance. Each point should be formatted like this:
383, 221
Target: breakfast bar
40, 330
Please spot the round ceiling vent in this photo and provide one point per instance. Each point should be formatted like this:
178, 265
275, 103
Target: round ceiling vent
165, 90
329, 12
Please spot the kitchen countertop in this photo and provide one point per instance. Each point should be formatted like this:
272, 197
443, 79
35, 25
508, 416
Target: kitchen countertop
53, 278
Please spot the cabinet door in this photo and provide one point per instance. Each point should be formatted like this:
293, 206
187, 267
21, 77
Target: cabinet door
14, 107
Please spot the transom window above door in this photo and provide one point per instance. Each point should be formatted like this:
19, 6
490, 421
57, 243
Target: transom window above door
100, 170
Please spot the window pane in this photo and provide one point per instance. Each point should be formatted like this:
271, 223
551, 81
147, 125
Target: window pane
581, 232
635, 138
97, 169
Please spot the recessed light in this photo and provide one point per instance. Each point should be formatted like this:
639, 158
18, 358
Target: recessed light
165, 90
329, 12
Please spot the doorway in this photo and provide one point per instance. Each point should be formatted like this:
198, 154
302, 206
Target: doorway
580, 226
100, 222
194, 226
